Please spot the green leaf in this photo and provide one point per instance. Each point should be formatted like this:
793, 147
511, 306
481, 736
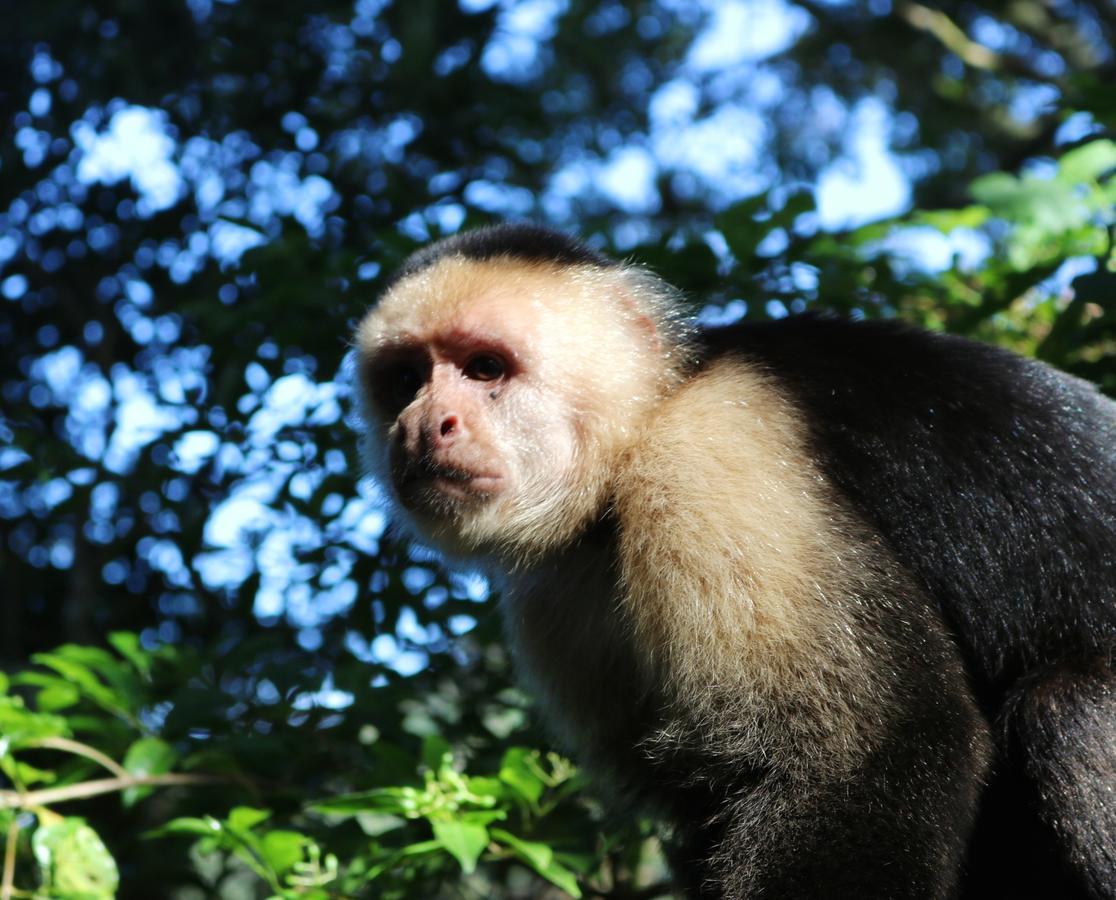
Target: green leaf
534, 853
128, 645
245, 818
464, 841
283, 850
1051, 205
795, 205
147, 756
482, 816
485, 789
434, 750
57, 695
375, 824
206, 827
417, 849
73, 861
20, 726
66, 663
947, 220
540, 857
740, 228
519, 770
558, 874
383, 800
1088, 162
25, 774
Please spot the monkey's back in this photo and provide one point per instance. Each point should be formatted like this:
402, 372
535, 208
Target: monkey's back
992, 476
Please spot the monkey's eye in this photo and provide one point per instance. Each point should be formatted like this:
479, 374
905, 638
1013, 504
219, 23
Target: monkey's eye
485, 367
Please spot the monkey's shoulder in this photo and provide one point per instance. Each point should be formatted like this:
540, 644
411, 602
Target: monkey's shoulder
730, 420
966, 459
738, 560
723, 467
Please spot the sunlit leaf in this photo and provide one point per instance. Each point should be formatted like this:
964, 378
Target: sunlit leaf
947, 220
464, 841
128, 645
375, 824
283, 850
434, 750
540, 857
206, 827
1088, 162
519, 770
245, 818
73, 861
147, 756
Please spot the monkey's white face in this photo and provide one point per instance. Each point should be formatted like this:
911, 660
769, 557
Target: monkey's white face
472, 445
498, 396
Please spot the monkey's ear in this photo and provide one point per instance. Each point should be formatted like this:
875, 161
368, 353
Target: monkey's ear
647, 327
641, 322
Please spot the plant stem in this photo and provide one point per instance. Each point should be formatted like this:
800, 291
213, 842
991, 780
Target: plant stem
79, 749
48, 796
8, 879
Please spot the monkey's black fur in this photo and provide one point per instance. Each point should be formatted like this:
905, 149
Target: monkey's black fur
993, 479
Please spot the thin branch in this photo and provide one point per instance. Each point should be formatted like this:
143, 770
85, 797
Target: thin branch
80, 749
1066, 32
973, 53
936, 23
47, 796
951, 35
8, 880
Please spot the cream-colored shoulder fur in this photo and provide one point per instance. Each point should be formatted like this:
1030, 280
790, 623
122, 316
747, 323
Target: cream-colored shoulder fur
749, 588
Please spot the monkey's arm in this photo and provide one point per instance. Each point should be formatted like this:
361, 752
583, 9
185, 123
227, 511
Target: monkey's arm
895, 825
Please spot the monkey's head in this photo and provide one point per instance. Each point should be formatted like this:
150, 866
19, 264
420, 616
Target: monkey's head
502, 375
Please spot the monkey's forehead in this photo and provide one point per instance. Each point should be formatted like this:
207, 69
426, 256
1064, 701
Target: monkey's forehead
459, 292
523, 242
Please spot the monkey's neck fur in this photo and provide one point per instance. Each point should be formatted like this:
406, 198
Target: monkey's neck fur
722, 560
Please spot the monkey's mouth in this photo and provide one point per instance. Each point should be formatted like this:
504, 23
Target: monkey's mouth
431, 486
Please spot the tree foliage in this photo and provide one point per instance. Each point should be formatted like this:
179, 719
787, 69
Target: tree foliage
225, 676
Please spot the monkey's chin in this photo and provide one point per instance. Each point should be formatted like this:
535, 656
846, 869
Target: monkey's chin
463, 519
476, 489
444, 502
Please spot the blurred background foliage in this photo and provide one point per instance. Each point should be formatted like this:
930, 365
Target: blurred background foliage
225, 677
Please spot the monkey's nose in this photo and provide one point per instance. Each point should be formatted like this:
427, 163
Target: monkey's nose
440, 430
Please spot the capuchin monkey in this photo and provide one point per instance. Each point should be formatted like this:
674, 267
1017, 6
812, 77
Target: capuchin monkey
835, 601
